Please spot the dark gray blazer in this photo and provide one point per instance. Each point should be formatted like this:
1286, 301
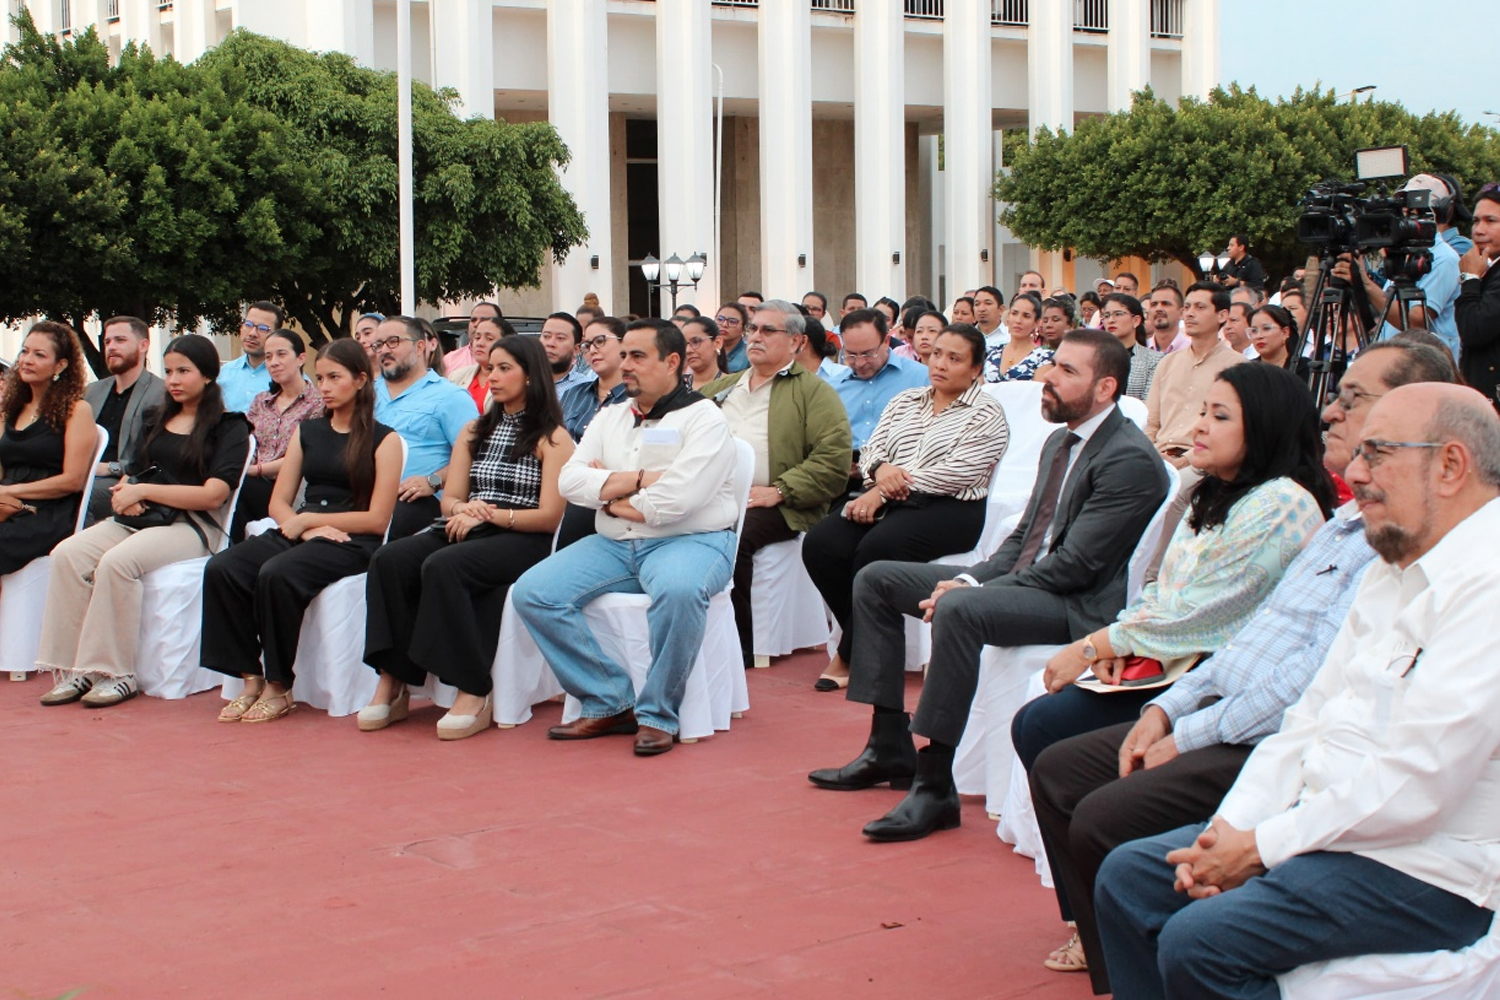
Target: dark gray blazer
1109, 497
149, 393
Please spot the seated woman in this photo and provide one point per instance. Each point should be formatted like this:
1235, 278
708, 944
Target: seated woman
483, 332
926, 469
435, 599
195, 455
47, 441
731, 319
924, 326
1264, 493
701, 366
274, 416
1020, 357
1059, 315
255, 594
1124, 319
1273, 333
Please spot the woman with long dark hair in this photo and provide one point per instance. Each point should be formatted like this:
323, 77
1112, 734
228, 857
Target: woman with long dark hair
195, 455
1021, 356
435, 599
703, 363
47, 440
1123, 317
274, 416
1273, 333
256, 593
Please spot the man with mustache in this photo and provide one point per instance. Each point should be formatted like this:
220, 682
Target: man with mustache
1060, 574
1367, 824
121, 404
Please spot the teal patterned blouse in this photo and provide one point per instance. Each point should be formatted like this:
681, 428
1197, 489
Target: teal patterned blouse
1211, 582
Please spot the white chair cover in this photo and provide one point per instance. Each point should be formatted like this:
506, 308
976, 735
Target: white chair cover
786, 607
1135, 410
716, 689
168, 652
1472, 973
1017, 823
23, 595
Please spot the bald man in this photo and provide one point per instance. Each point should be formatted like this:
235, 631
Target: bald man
1368, 824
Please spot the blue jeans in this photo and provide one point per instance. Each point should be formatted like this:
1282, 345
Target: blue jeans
679, 574
1324, 905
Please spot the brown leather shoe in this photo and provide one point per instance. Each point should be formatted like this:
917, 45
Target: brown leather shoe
650, 741
622, 724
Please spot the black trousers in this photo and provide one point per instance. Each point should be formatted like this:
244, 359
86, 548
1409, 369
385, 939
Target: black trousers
1071, 712
924, 528
256, 593
577, 522
763, 526
967, 620
1085, 810
435, 606
410, 518
254, 503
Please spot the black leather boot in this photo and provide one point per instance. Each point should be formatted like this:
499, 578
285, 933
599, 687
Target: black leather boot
932, 803
889, 756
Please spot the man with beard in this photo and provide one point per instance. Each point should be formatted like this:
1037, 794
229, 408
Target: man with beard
121, 404
1059, 575
561, 336
427, 410
1164, 320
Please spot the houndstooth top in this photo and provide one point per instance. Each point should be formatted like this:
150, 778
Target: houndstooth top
498, 479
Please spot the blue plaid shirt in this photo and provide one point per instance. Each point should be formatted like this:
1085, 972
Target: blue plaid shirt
1270, 662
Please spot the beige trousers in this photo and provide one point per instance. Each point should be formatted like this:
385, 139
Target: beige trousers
93, 617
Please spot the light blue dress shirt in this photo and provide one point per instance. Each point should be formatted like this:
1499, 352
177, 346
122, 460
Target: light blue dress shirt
865, 399
1441, 286
429, 416
240, 384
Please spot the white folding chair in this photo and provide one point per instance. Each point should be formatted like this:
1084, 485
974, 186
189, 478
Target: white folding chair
23, 595
786, 609
1134, 410
1466, 974
168, 648
330, 669
716, 689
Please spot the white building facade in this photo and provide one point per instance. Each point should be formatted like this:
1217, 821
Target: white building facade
835, 145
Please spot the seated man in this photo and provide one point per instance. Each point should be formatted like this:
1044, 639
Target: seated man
121, 405
1368, 823
874, 376
796, 424
661, 474
1096, 791
427, 410
1060, 574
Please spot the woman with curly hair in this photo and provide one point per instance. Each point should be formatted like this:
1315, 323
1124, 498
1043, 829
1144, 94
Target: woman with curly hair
47, 440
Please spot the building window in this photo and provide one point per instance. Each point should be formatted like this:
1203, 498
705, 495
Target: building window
837, 6
1090, 15
1166, 18
736, 3
64, 16
111, 10
926, 10
1011, 12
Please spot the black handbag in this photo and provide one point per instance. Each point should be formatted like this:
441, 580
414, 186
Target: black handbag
156, 515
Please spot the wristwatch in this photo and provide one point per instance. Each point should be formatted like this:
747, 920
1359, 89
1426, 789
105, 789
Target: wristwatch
115, 470
435, 481
1466, 276
1089, 652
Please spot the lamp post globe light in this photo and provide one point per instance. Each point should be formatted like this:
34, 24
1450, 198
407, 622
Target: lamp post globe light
1209, 262
670, 271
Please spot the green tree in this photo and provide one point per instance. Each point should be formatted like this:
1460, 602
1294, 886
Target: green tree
1166, 183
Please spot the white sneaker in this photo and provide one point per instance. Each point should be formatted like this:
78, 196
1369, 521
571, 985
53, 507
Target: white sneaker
109, 691
72, 687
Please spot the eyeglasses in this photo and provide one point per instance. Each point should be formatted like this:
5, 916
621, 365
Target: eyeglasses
1348, 399
249, 325
1374, 451
391, 343
727, 320
755, 329
863, 355
597, 344
696, 342
1116, 314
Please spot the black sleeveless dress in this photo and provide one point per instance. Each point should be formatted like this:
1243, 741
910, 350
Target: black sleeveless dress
327, 474
28, 455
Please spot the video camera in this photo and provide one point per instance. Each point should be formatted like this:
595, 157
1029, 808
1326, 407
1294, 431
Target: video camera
1338, 218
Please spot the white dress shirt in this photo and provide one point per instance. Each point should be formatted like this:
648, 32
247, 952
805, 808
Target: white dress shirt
1393, 752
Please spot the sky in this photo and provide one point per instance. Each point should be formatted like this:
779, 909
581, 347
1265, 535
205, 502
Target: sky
1277, 45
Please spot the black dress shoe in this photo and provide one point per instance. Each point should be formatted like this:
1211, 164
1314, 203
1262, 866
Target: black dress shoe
889, 756
622, 724
650, 741
931, 805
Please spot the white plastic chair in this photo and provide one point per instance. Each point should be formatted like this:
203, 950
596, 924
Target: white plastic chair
23, 595
168, 648
330, 669
1134, 410
786, 609
716, 689
1468, 974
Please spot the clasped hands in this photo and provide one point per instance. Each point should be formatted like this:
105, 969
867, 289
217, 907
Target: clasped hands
1069, 663
891, 483
466, 516
1222, 858
300, 527
127, 498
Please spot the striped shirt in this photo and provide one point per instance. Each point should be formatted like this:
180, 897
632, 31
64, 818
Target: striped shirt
951, 453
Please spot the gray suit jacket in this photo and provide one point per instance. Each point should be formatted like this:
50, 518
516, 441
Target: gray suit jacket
1109, 497
149, 393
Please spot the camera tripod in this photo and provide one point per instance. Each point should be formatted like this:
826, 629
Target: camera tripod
1337, 306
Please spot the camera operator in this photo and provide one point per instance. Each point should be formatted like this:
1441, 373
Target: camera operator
1478, 309
1440, 285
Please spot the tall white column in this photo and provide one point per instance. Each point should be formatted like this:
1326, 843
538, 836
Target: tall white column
967, 140
1049, 58
195, 25
1200, 47
140, 23
879, 149
1129, 53
463, 44
685, 142
578, 107
786, 223
344, 26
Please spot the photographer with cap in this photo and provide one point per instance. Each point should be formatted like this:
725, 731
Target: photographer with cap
1439, 285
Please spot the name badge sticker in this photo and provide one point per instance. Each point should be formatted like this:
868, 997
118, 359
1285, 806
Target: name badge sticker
661, 435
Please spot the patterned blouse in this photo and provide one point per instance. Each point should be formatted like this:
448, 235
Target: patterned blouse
1021, 371
498, 479
950, 454
1143, 362
274, 428
1212, 582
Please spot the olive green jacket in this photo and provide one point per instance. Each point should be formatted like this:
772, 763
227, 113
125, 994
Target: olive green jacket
811, 446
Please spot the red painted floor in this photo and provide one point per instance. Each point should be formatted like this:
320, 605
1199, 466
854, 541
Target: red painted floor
149, 851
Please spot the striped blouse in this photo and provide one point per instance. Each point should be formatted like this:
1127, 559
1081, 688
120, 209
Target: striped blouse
951, 453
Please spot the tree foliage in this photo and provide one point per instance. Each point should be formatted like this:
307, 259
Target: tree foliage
259, 171
1166, 183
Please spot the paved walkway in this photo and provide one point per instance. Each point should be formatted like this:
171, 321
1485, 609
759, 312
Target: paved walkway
152, 852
